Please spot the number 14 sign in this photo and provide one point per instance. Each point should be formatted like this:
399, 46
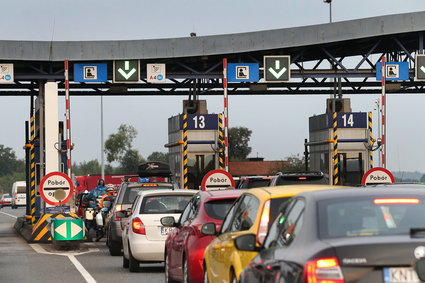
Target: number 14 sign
349, 120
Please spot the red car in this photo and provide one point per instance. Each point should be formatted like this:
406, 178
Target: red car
185, 245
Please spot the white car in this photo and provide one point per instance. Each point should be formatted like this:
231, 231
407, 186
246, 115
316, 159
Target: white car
144, 236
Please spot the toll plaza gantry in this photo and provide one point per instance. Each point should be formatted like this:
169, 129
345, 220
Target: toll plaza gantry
325, 59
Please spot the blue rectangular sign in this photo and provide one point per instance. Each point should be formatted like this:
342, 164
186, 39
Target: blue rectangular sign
394, 71
243, 72
200, 122
349, 120
91, 72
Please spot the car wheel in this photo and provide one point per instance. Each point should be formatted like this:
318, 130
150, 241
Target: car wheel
114, 248
185, 269
205, 274
125, 262
133, 264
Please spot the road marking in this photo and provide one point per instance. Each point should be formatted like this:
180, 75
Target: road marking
81, 269
9, 214
71, 255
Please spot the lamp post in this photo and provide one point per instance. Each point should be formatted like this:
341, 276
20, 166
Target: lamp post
330, 9
102, 160
377, 107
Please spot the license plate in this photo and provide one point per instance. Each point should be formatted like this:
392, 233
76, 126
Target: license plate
166, 230
400, 275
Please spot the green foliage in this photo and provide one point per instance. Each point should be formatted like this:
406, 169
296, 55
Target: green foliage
130, 162
8, 162
158, 156
85, 168
294, 164
238, 143
118, 144
7, 181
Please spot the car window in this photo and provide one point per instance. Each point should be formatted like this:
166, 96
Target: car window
286, 226
293, 180
370, 216
161, 204
185, 213
217, 208
245, 214
133, 206
195, 207
225, 227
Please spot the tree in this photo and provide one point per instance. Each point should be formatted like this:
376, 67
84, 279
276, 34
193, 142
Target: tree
238, 143
89, 167
117, 145
8, 161
294, 164
158, 156
130, 162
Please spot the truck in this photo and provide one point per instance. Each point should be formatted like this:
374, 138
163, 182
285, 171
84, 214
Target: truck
19, 194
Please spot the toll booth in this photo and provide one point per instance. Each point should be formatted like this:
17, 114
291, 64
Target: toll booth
354, 143
202, 132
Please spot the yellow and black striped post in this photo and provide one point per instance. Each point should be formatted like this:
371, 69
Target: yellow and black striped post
220, 142
185, 178
335, 151
32, 171
369, 124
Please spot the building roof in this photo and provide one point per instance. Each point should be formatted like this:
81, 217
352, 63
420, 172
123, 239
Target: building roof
251, 168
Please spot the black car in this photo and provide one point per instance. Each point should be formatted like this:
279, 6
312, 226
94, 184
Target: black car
346, 235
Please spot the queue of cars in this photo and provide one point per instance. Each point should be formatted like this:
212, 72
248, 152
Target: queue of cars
292, 233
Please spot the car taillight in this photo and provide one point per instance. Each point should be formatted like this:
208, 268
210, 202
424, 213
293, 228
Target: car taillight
264, 223
118, 207
138, 226
324, 270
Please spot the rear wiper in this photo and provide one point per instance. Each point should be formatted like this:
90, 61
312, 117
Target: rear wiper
417, 232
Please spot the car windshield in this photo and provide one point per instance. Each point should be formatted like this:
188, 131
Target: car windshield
255, 183
217, 209
160, 204
131, 192
370, 216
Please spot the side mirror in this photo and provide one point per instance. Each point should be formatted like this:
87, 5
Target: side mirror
121, 214
209, 229
247, 243
168, 221
107, 204
420, 268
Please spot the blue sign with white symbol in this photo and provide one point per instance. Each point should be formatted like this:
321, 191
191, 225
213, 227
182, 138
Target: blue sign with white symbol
200, 122
394, 71
91, 72
243, 72
349, 120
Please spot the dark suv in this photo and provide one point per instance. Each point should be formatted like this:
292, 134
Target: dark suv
287, 178
125, 198
297, 178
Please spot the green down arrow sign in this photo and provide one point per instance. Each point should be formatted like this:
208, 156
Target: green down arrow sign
126, 71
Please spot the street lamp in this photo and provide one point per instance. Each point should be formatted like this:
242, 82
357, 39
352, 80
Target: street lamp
377, 107
330, 9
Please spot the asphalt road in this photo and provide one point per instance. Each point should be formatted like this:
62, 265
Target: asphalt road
23, 262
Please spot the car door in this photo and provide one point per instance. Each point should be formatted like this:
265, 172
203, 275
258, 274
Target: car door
127, 224
244, 218
175, 251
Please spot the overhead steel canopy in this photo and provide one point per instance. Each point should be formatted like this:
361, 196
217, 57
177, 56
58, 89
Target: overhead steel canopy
345, 50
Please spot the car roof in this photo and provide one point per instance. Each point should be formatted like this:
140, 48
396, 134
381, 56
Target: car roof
290, 190
393, 191
160, 184
167, 192
220, 194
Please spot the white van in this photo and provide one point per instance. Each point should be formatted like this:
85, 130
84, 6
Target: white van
19, 194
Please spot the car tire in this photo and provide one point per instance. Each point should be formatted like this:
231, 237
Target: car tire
185, 270
205, 274
114, 248
125, 262
133, 264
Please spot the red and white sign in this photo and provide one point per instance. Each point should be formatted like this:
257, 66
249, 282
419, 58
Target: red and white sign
55, 181
378, 175
217, 180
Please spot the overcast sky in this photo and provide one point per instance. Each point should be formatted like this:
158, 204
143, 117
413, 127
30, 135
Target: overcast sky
279, 124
